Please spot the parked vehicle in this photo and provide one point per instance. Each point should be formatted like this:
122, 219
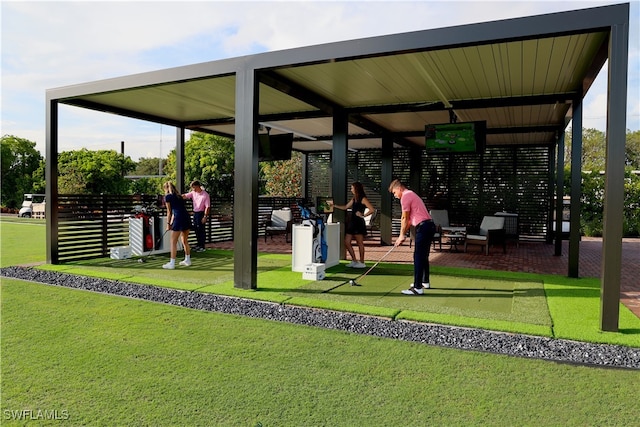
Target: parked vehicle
32, 205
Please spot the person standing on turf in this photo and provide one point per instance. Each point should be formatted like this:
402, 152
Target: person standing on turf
179, 224
201, 208
415, 213
356, 227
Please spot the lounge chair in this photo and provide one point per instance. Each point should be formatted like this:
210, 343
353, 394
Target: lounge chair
491, 232
280, 222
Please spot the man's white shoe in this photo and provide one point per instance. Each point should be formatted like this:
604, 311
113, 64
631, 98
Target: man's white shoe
413, 291
169, 266
352, 264
185, 263
359, 265
424, 285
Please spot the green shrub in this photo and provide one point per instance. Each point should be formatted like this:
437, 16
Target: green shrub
592, 203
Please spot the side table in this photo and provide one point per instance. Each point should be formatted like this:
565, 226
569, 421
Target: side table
455, 239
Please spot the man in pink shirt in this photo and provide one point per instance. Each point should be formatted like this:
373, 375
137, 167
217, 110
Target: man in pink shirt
201, 209
415, 213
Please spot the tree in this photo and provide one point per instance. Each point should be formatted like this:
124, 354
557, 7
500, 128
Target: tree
150, 166
93, 172
19, 160
151, 170
632, 149
594, 149
209, 159
283, 178
147, 185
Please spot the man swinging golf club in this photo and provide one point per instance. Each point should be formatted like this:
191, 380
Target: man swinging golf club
415, 213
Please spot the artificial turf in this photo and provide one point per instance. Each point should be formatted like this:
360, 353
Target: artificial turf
504, 301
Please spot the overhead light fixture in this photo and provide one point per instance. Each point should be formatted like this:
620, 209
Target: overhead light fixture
425, 74
285, 129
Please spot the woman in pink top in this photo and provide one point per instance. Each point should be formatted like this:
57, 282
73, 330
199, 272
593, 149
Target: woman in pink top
415, 213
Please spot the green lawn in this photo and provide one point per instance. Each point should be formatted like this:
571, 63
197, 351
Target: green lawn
544, 305
105, 360
22, 241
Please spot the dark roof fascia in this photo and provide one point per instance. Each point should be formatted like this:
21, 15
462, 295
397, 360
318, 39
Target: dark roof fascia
206, 70
575, 21
532, 27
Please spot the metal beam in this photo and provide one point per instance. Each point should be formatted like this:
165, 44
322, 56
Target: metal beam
245, 199
493, 131
614, 177
465, 104
280, 83
576, 190
325, 105
415, 170
51, 178
559, 196
126, 112
180, 184
386, 199
339, 168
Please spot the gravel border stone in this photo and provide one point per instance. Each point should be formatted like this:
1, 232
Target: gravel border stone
527, 346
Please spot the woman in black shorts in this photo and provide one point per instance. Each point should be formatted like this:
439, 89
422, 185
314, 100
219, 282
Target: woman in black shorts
356, 227
179, 222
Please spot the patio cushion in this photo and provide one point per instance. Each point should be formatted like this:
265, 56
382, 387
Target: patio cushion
280, 218
440, 217
491, 233
491, 223
476, 237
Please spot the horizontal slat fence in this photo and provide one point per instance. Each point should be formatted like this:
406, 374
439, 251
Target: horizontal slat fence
512, 179
90, 225
469, 186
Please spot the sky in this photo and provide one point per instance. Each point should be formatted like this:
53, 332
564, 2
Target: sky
51, 44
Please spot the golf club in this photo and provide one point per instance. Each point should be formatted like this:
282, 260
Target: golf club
353, 282
144, 258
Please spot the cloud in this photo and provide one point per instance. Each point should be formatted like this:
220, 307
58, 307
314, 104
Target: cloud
53, 44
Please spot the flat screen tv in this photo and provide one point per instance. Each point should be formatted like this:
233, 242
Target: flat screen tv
449, 138
275, 147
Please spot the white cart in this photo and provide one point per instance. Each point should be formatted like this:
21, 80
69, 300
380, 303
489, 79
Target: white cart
302, 246
136, 236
